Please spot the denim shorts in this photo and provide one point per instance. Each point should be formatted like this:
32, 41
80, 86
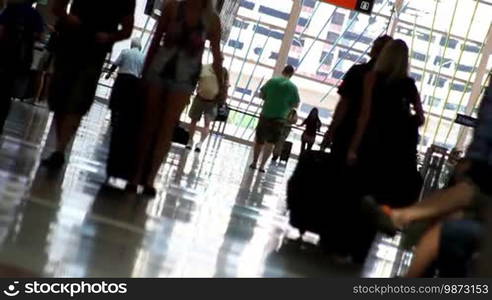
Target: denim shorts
174, 70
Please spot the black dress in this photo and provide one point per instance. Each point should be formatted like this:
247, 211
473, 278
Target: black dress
388, 152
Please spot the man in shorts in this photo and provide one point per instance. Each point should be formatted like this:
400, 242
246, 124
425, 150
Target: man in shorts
280, 96
206, 102
86, 35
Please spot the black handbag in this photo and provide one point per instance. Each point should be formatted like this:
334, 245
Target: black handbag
222, 113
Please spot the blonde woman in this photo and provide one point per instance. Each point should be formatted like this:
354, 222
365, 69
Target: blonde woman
171, 74
384, 147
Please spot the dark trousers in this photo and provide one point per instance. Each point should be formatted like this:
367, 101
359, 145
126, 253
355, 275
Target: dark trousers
126, 109
6, 89
460, 240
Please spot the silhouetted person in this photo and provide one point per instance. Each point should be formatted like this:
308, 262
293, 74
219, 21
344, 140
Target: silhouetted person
125, 104
313, 125
344, 121
469, 192
130, 64
384, 147
171, 74
280, 96
85, 36
20, 26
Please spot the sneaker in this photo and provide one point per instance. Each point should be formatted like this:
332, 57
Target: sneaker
149, 191
198, 148
189, 146
55, 161
252, 167
274, 158
262, 170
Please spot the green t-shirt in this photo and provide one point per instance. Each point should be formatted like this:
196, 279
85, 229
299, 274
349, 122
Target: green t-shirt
280, 96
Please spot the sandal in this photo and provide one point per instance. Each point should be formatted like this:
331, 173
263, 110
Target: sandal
379, 216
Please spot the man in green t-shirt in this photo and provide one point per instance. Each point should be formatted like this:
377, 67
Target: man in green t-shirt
280, 96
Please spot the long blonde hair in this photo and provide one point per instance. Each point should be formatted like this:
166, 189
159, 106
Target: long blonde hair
393, 61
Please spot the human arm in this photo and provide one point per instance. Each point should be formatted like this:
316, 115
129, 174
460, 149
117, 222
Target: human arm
293, 117
417, 104
346, 90
264, 89
214, 36
338, 116
363, 118
223, 93
114, 66
161, 28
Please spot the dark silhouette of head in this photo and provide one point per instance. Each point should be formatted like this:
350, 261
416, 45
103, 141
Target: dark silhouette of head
393, 61
379, 44
314, 114
288, 71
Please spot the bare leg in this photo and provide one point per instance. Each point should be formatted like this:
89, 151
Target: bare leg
267, 152
257, 151
206, 129
192, 130
66, 128
175, 103
426, 252
46, 86
439, 204
40, 83
303, 146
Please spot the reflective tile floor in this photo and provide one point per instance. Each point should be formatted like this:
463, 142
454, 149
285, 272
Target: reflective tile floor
212, 218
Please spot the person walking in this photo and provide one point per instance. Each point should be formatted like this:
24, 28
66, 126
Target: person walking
171, 73
126, 110
313, 125
206, 103
20, 26
344, 120
281, 96
384, 146
130, 65
86, 35
472, 192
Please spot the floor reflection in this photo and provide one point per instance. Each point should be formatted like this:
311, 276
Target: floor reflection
212, 217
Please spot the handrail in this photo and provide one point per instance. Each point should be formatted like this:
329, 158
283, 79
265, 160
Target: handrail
232, 108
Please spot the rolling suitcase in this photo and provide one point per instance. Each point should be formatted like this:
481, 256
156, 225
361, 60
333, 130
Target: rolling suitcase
286, 150
320, 199
305, 189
